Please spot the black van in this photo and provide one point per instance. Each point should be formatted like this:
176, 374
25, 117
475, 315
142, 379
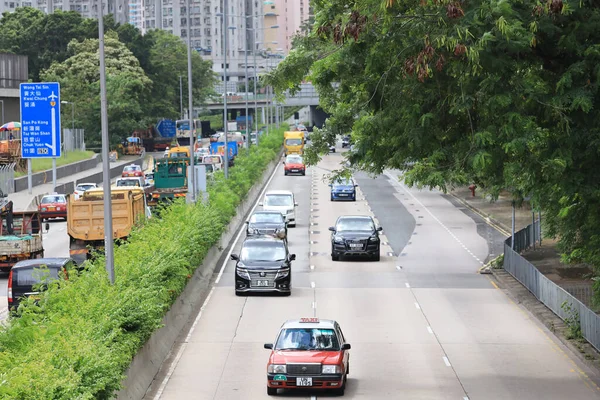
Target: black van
26, 274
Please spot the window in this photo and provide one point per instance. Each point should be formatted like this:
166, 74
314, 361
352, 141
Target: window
263, 252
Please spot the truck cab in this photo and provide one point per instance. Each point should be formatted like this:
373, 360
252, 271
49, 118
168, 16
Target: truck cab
179, 152
293, 142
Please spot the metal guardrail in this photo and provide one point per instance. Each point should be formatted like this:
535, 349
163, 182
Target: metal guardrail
546, 291
7, 178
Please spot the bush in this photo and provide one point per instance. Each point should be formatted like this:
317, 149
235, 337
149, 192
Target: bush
79, 339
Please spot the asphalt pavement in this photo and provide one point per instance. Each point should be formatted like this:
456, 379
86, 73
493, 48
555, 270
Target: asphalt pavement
422, 322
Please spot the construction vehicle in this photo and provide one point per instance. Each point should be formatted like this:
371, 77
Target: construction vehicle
170, 179
20, 235
132, 146
85, 218
10, 152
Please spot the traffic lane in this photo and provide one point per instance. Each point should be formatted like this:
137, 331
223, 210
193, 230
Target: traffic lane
224, 357
479, 328
392, 353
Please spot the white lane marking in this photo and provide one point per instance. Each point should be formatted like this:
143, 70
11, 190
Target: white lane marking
175, 362
312, 285
390, 175
407, 285
430, 330
312, 267
465, 398
314, 304
315, 398
418, 306
398, 267
446, 361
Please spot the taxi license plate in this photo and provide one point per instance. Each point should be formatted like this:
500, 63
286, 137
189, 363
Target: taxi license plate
262, 283
303, 381
356, 245
51, 208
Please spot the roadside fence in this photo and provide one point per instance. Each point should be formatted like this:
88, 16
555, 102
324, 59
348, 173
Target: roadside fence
73, 139
7, 178
557, 299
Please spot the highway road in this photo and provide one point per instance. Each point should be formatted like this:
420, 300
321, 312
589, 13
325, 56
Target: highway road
422, 323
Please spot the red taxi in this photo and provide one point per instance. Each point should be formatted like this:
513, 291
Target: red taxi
309, 353
53, 206
294, 164
132, 170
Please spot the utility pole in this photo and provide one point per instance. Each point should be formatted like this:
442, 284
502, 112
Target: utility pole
108, 225
181, 97
225, 29
191, 181
246, 68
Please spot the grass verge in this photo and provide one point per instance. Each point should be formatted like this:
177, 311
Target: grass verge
81, 336
43, 164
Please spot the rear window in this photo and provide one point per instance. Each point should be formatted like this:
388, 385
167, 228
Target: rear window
131, 168
28, 277
83, 188
53, 199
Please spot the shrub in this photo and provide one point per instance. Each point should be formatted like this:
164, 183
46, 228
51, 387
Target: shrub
79, 339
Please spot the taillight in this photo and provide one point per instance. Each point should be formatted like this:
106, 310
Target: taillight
10, 278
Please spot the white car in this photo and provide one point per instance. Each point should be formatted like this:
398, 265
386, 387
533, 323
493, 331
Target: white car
82, 188
282, 201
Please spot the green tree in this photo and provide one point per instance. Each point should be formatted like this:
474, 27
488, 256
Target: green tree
126, 83
501, 94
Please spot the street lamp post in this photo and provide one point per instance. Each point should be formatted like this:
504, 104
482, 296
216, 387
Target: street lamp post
226, 151
246, 73
2, 101
72, 122
191, 175
181, 97
108, 225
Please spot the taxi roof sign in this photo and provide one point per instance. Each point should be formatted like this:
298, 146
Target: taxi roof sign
309, 320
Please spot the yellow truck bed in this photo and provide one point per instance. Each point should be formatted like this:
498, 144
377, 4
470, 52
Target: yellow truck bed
85, 217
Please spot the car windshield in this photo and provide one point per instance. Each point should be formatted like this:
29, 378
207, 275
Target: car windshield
53, 199
83, 188
354, 224
131, 168
272, 251
279, 200
343, 182
293, 160
275, 218
293, 142
178, 155
128, 182
308, 339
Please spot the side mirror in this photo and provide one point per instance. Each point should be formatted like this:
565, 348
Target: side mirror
330, 185
269, 346
355, 185
47, 226
346, 346
295, 204
283, 162
332, 228
379, 229
235, 257
260, 204
247, 222
292, 257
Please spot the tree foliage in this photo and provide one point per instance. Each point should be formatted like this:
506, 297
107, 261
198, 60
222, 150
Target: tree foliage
500, 94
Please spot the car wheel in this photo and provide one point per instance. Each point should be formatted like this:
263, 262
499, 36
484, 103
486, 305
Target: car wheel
376, 257
285, 173
292, 225
334, 256
331, 198
340, 391
304, 174
237, 293
271, 391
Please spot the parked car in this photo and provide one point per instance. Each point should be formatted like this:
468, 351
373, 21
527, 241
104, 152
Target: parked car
294, 164
263, 265
332, 148
53, 206
81, 189
282, 201
345, 141
25, 276
355, 235
266, 223
132, 170
343, 189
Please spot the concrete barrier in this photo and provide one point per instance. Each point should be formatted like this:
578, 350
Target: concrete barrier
40, 178
149, 359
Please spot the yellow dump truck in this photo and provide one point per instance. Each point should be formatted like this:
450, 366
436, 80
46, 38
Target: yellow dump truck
85, 218
293, 142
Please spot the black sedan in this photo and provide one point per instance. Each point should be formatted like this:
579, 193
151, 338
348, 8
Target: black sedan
270, 223
355, 235
263, 265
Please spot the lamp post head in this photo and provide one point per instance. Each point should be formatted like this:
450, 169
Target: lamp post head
64, 102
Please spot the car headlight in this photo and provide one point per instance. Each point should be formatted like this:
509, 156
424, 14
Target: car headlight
290, 212
338, 240
277, 369
331, 369
242, 272
373, 239
283, 273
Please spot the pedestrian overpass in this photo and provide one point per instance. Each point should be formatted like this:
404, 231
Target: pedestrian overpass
306, 96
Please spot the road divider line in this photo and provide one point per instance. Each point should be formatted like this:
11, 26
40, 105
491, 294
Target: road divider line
418, 306
446, 361
494, 284
430, 330
175, 362
407, 285
312, 285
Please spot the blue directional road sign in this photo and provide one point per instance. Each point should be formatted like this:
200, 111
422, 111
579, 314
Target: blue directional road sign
40, 120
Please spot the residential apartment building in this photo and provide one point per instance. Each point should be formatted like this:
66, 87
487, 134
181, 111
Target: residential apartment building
87, 8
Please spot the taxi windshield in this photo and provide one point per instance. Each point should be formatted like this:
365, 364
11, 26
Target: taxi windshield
274, 218
132, 168
53, 199
308, 339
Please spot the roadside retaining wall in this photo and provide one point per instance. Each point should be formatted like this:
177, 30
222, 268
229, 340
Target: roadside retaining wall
44, 177
149, 359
